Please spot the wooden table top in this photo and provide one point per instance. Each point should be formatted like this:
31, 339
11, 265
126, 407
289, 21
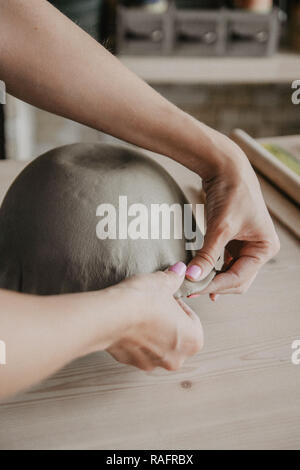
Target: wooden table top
241, 392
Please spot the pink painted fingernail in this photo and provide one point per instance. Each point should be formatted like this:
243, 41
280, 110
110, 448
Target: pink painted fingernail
194, 272
193, 296
178, 268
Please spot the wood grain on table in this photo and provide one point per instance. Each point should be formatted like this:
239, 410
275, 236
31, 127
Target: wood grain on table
241, 392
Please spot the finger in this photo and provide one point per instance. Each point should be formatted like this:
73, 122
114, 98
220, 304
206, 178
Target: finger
120, 355
214, 297
143, 362
135, 357
228, 259
173, 362
237, 279
174, 276
195, 340
188, 310
206, 258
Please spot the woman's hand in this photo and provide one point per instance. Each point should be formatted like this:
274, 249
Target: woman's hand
137, 321
237, 221
162, 331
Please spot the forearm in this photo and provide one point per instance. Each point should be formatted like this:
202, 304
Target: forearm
50, 62
42, 334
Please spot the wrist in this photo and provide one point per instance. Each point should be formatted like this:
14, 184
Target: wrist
109, 313
204, 150
86, 321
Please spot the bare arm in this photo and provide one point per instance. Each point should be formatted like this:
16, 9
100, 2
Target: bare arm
42, 334
50, 62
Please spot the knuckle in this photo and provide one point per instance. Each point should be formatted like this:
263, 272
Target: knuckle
276, 246
166, 364
207, 257
148, 367
242, 289
197, 343
163, 280
273, 247
200, 343
235, 280
161, 276
142, 365
223, 231
172, 365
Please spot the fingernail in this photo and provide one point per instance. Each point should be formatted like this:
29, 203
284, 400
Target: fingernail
194, 272
214, 297
178, 268
193, 296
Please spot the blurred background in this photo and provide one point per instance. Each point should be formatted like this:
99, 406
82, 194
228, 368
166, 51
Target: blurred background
228, 63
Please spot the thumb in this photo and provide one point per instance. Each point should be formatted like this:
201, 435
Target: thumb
174, 276
206, 258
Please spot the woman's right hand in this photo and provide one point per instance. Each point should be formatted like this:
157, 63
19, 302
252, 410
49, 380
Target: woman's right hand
162, 331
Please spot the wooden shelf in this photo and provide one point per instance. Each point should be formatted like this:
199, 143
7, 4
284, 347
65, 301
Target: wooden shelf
280, 68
